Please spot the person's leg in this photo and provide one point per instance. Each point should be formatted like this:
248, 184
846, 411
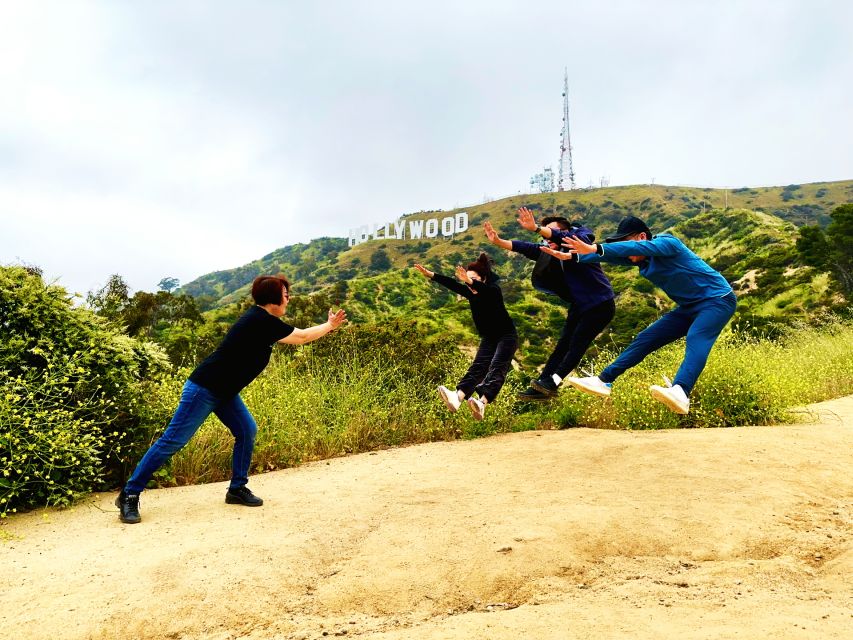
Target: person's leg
478, 369
563, 344
707, 325
588, 326
498, 368
195, 405
235, 415
668, 328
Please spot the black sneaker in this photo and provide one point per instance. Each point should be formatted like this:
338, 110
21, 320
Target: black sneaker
532, 395
128, 506
545, 386
243, 496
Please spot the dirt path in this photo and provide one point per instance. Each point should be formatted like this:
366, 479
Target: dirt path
717, 533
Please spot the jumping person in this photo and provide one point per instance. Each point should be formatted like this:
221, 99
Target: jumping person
705, 303
498, 337
214, 387
583, 286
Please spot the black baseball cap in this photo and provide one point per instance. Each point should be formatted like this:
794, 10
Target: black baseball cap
629, 226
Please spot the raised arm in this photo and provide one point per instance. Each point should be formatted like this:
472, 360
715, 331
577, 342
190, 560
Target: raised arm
304, 336
494, 238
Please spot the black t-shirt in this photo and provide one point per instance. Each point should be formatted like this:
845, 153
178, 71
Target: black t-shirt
243, 353
487, 306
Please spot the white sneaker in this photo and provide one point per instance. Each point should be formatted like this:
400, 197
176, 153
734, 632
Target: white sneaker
672, 396
451, 398
592, 384
478, 408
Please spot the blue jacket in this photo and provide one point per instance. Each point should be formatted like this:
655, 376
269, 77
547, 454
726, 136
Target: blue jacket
669, 264
584, 285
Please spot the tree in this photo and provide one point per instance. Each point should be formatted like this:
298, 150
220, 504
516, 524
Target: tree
110, 300
832, 249
813, 247
839, 235
168, 284
380, 261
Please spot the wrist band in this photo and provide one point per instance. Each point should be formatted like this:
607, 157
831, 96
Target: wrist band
538, 228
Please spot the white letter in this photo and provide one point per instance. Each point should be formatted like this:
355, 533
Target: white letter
400, 229
416, 229
447, 226
431, 228
461, 221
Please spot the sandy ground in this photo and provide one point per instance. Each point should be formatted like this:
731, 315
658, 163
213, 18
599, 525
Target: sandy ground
717, 533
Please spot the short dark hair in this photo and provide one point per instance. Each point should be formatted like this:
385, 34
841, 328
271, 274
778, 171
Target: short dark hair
482, 266
268, 289
562, 222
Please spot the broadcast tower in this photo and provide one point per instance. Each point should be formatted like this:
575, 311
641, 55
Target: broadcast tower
565, 139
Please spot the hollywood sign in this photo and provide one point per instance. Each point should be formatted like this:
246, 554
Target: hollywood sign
410, 229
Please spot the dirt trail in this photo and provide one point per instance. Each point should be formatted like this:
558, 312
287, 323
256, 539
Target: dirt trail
715, 533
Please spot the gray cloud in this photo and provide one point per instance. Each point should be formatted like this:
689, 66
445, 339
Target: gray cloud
178, 138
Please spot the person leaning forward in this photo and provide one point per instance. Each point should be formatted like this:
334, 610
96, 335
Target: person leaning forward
704, 298
214, 387
583, 286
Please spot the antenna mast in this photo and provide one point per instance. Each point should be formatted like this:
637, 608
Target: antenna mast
565, 138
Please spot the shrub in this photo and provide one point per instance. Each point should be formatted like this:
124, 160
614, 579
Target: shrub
75, 395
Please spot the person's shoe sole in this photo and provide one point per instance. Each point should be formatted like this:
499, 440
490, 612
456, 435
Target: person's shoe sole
551, 393
590, 390
229, 499
475, 410
659, 394
538, 397
122, 518
447, 402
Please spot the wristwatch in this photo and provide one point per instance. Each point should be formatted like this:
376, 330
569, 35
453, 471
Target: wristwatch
538, 228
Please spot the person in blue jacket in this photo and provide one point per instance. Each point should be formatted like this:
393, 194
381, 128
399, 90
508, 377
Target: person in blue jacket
583, 286
706, 302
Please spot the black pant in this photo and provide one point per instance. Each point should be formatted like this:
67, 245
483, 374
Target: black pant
578, 333
487, 373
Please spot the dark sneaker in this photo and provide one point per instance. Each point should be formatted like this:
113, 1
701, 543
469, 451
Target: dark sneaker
128, 506
545, 386
243, 496
532, 395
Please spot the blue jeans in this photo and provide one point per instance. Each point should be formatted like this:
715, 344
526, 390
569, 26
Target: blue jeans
700, 322
196, 404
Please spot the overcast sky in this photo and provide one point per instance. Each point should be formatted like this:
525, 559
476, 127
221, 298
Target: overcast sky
174, 138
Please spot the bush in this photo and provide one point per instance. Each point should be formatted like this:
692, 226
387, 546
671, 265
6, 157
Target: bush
75, 395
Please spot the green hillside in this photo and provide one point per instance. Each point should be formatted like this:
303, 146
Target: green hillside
752, 243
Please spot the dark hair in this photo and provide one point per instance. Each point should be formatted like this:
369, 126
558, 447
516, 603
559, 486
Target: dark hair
268, 289
482, 266
562, 222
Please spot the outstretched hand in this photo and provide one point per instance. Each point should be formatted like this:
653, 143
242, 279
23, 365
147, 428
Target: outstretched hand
578, 246
526, 219
426, 273
462, 274
557, 254
336, 319
491, 234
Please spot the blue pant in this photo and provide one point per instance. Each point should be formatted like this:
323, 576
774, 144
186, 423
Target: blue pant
196, 404
701, 322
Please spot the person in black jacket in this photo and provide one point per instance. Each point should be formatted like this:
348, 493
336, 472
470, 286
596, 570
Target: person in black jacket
498, 337
583, 286
214, 387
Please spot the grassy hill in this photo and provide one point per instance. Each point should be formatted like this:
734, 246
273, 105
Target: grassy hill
752, 242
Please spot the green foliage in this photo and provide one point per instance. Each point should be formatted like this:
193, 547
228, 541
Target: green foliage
74, 395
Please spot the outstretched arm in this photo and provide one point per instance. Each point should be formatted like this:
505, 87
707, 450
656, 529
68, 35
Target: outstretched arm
494, 238
426, 273
527, 221
304, 336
